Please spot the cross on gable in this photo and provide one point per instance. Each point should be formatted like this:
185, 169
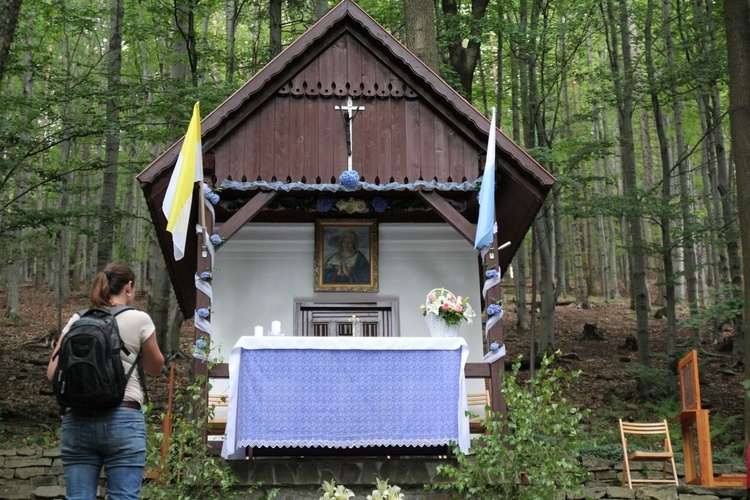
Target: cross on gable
349, 111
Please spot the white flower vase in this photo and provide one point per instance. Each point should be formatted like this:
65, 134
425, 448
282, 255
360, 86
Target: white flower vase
439, 328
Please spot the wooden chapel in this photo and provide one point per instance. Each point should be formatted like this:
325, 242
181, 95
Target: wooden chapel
282, 140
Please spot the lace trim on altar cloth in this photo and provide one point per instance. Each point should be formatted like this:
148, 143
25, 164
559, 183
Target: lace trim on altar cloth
326, 443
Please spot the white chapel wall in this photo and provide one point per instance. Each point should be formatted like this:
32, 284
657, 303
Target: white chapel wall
264, 268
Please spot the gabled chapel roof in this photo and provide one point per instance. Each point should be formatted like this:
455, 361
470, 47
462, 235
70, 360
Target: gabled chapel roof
418, 144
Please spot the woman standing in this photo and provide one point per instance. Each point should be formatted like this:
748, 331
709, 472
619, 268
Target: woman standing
113, 438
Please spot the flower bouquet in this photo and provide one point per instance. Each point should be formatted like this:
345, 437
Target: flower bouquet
443, 311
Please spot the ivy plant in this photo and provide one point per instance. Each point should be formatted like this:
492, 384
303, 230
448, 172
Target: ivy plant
533, 451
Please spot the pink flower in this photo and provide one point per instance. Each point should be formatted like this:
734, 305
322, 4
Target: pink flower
446, 306
431, 297
460, 299
459, 308
422, 306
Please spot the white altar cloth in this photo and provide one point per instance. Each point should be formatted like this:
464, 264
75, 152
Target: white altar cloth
344, 392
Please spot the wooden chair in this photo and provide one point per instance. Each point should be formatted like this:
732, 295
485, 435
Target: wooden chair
482, 400
664, 455
694, 425
218, 424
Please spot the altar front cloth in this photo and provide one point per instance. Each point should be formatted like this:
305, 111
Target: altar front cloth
343, 392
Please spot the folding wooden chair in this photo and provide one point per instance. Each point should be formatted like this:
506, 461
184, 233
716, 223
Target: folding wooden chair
665, 454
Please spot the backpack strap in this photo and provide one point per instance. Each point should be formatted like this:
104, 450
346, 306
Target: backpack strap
142, 378
118, 309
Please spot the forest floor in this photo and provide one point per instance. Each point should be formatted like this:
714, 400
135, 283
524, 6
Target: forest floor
607, 386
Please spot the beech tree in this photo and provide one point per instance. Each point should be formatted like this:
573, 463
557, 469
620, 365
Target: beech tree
737, 23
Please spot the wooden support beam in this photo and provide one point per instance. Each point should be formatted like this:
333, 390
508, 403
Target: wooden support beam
247, 213
449, 214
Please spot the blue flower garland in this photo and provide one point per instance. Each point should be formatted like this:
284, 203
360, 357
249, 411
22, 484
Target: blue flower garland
494, 309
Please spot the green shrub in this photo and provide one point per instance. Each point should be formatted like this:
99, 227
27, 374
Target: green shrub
187, 471
540, 439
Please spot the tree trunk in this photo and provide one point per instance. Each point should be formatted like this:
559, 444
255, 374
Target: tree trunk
737, 23
159, 287
112, 148
522, 320
231, 20
686, 210
13, 271
666, 194
274, 46
546, 288
421, 37
463, 55
728, 202
321, 7
8, 23
581, 291
623, 79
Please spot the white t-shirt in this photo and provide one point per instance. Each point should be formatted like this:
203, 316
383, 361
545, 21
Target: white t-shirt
135, 328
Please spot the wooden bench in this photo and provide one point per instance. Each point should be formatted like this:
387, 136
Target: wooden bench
695, 426
217, 425
479, 400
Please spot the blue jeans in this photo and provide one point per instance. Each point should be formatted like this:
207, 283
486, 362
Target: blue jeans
115, 439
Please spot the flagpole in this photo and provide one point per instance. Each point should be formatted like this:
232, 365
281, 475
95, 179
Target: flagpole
202, 216
202, 202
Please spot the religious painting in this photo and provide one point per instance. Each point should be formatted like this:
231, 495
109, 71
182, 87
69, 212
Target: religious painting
346, 255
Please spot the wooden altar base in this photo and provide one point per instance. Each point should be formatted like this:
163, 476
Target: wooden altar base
301, 478
334, 453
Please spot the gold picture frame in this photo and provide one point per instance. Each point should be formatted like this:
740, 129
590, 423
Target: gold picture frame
346, 255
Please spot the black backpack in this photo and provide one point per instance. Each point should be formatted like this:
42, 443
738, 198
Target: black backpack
90, 374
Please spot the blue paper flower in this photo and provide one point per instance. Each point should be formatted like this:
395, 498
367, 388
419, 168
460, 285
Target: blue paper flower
349, 179
201, 344
206, 276
210, 195
324, 204
379, 204
203, 312
491, 274
216, 239
494, 309
494, 346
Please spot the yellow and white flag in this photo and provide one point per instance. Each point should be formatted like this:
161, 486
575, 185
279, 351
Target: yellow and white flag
187, 171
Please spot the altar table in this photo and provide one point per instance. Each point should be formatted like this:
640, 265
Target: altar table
343, 392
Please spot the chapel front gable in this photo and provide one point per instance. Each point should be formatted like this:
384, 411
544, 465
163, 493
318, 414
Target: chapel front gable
298, 135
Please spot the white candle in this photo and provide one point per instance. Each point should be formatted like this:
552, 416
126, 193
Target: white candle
258, 331
275, 326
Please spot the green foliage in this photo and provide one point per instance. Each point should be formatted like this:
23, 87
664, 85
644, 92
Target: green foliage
610, 451
654, 384
541, 439
188, 471
723, 308
725, 436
